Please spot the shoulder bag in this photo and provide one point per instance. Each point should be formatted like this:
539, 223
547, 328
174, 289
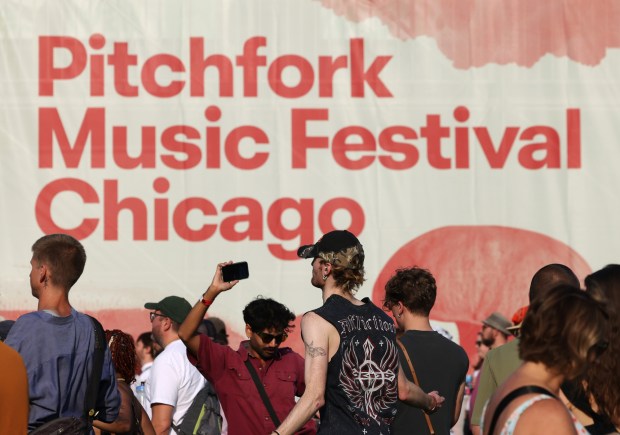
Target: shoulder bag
415, 381
262, 392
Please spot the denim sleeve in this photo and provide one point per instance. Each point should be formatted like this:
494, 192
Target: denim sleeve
108, 396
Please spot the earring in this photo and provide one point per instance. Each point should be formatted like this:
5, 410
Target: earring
399, 315
324, 277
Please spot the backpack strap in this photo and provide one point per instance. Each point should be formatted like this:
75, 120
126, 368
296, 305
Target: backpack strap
90, 399
262, 392
203, 415
521, 391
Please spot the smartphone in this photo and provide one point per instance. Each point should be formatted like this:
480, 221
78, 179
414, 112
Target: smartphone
235, 271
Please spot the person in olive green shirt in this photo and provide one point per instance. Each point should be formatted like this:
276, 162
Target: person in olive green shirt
499, 363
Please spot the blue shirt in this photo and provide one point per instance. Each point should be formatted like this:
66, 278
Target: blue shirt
58, 354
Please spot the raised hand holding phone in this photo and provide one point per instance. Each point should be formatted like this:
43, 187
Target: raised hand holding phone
187, 330
218, 282
235, 271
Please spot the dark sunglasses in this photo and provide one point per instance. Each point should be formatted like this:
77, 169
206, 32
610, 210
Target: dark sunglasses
268, 338
153, 315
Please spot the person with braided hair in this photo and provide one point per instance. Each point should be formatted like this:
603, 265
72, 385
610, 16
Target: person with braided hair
132, 418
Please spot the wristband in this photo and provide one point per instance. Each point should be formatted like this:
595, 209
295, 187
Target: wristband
206, 303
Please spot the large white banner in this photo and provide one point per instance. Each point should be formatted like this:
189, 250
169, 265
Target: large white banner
477, 139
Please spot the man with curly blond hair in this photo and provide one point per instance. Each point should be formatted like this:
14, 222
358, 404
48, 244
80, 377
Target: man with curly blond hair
353, 376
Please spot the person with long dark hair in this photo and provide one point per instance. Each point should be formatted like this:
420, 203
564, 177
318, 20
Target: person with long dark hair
602, 381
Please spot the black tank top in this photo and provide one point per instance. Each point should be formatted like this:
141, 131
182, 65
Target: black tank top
362, 376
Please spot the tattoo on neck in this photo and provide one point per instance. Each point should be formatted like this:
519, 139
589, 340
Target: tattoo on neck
313, 351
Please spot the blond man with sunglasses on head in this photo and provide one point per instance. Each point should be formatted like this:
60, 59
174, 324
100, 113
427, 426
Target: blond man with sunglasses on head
278, 370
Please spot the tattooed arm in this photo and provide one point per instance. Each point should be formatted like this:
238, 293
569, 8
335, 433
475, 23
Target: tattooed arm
317, 333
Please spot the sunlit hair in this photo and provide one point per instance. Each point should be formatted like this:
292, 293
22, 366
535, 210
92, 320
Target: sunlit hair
123, 354
347, 267
63, 255
563, 330
266, 314
603, 376
414, 287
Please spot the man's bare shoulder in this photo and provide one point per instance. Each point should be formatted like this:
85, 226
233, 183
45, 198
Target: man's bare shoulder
317, 334
311, 319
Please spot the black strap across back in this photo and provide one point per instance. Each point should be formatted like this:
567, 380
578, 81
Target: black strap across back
527, 389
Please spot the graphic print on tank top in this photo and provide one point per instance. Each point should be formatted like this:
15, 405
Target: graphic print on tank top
362, 376
368, 376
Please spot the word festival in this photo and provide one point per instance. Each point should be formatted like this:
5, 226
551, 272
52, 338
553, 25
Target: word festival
113, 69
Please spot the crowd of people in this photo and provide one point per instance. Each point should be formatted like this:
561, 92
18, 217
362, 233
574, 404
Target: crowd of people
366, 369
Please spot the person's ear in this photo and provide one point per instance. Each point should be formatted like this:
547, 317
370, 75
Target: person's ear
327, 268
167, 323
248, 330
43, 273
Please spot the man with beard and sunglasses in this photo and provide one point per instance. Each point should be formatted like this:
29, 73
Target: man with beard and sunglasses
280, 371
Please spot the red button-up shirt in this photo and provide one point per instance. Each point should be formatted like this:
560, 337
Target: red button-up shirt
282, 377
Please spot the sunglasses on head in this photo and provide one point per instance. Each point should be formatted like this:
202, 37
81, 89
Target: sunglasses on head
268, 338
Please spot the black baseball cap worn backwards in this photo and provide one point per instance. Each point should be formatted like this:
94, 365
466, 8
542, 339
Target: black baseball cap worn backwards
334, 241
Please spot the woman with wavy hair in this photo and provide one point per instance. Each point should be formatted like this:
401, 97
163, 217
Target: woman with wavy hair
132, 418
602, 381
561, 335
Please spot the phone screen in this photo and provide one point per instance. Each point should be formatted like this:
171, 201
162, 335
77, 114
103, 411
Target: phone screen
235, 271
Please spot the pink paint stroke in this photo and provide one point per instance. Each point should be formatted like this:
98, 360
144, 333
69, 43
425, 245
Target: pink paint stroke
474, 33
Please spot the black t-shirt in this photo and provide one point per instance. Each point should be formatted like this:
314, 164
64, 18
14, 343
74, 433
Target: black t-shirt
601, 424
362, 377
441, 365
